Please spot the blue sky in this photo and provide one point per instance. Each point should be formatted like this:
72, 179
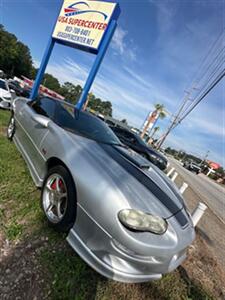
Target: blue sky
155, 53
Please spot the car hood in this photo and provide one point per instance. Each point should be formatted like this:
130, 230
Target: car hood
126, 173
150, 176
154, 152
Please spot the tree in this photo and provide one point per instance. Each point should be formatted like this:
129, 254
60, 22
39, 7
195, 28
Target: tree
159, 112
103, 107
220, 171
71, 92
160, 109
33, 72
51, 82
15, 57
106, 108
48, 80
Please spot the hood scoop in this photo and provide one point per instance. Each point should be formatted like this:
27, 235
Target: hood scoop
134, 157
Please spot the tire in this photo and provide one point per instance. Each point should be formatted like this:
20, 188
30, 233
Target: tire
11, 128
59, 209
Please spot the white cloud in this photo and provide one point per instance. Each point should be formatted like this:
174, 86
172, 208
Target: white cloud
154, 90
121, 44
36, 63
118, 41
68, 70
205, 126
166, 11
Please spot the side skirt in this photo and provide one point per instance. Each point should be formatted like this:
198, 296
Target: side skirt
37, 180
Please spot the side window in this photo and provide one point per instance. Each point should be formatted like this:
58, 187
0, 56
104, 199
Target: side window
64, 116
128, 135
120, 131
45, 107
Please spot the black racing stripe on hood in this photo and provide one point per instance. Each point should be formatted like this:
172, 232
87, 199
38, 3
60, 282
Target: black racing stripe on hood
146, 181
173, 190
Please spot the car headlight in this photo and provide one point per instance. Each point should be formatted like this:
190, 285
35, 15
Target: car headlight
140, 221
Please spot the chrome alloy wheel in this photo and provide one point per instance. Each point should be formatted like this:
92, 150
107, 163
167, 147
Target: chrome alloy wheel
55, 198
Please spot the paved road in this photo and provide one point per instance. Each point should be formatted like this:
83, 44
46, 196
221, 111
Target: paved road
210, 192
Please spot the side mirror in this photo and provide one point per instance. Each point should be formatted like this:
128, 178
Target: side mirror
42, 120
12, 91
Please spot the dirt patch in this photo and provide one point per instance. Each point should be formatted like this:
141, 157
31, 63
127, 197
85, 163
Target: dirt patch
21, 276
3, 131
203, 268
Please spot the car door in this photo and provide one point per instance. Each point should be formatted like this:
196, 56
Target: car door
34, 132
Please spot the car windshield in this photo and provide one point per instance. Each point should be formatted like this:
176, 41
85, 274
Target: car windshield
3, 85
84, 124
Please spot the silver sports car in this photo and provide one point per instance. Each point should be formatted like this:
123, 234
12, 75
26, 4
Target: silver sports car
123, 216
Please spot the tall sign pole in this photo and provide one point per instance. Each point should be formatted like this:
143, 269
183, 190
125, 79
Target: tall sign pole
97, 63
85, 25
41, 70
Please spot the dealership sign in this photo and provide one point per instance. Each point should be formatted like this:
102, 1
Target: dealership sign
86, 25
83, 23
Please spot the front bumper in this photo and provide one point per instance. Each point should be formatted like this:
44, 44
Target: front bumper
111, 259
108, 265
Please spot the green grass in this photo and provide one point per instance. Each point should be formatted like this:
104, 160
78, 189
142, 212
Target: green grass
13, 231
66, 276
4, 117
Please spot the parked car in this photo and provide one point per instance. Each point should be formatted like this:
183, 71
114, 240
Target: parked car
192, 166
26, 92
5, 95
126, 220
135, 142
16, 87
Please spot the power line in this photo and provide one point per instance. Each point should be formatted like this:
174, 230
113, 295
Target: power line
207, 86
205, 58
177, 119
216, 81
211, 64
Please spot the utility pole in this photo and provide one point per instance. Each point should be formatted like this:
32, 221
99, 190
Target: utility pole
176, 118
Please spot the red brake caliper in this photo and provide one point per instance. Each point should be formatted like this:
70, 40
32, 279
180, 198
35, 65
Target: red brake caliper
53, 185
61, 185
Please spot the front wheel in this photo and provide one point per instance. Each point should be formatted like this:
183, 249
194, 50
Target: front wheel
11, 128
58, 199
